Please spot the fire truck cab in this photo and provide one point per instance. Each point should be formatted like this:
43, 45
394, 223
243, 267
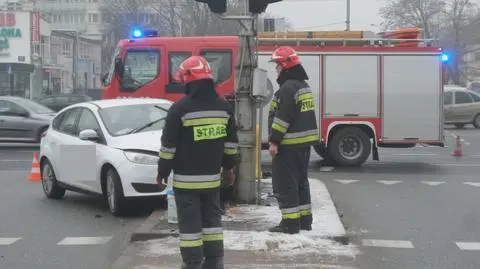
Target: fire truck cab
369, 92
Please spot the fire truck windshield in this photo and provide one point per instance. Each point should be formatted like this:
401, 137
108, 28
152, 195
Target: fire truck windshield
141, 67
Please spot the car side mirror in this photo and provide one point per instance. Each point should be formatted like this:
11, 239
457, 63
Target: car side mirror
104, 78
119, 67
89, 135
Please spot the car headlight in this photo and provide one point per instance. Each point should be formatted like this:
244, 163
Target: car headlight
141, 158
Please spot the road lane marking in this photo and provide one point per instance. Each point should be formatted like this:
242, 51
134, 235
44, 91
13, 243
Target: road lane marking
5, 241
456, 164
415, 154
99, 240
474, 184
389, 182
345, 181
326, 169
468, 245
433, 183
387, 243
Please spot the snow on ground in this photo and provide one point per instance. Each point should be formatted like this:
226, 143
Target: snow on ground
326, 225
325, 217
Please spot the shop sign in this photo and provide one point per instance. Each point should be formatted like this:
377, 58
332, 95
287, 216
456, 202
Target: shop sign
8, 30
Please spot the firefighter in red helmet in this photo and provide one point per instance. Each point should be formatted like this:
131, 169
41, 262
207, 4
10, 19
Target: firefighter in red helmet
199, 139
292, 132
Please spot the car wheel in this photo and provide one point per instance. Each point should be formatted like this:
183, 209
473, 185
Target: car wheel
50, 184
114, 193
476, 121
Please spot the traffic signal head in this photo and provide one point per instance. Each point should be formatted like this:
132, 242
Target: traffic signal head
255, 6
216, 6
259, 6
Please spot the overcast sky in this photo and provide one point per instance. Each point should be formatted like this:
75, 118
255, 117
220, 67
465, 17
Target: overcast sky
324, 15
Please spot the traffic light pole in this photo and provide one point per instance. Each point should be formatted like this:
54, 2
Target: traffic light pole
245, 110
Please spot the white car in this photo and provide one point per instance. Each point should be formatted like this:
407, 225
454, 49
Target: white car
107, 147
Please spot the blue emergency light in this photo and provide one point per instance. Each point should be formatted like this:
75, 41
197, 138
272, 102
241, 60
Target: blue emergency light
445, 58
141, 33
137, 33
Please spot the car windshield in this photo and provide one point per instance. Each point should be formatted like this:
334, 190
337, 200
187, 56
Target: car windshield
34, 107
122, 120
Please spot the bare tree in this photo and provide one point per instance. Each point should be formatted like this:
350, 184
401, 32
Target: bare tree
120, 17
458, 37
453, 22
423, 14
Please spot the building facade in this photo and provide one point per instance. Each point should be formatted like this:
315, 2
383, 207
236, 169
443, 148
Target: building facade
17, 37
82, 16
72, 63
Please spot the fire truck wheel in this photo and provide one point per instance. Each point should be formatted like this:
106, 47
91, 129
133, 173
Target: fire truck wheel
322, 152
350, 146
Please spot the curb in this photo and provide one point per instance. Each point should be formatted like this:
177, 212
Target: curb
147, 232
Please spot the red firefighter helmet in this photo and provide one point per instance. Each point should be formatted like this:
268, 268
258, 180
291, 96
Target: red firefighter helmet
192, 69
285, 56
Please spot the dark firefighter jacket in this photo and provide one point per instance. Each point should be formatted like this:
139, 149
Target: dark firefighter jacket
292, 120
199, 138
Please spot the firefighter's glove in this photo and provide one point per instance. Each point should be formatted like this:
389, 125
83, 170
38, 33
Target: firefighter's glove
162, 183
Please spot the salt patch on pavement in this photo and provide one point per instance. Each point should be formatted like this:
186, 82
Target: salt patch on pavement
326, 224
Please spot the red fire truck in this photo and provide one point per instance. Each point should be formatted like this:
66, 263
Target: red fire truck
370, 92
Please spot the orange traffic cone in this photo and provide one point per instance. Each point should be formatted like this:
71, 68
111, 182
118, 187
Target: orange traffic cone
35, 172
458, 148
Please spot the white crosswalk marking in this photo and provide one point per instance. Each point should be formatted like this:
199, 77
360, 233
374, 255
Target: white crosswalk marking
100, 240
474, 184
389, 182
468, 245
5, 241
345, 181
433, 183
387, 243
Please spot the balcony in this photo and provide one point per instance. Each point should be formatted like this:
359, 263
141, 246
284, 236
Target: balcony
80, 27
59, 6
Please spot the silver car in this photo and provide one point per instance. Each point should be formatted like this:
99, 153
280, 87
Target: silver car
461, 106
22, 120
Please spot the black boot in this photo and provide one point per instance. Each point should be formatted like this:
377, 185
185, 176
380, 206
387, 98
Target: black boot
287, 227
306, 222
192, 265
213, 263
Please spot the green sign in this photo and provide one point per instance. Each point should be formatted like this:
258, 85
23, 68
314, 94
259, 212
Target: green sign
6, 34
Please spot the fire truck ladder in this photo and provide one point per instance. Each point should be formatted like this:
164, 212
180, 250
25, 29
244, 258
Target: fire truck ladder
378, 42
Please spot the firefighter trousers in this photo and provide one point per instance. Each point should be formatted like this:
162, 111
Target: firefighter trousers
291, 186
200, 228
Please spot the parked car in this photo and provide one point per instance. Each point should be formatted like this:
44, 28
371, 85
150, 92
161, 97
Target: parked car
107, 147
60, 101
23, 120
461, 106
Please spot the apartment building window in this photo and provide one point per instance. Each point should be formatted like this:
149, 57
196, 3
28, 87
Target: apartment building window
84, 51
93, 18
67, 48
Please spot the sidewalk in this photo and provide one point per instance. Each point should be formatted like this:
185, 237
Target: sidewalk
247, 243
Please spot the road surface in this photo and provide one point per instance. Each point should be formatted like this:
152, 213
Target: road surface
37, 233
417, 208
